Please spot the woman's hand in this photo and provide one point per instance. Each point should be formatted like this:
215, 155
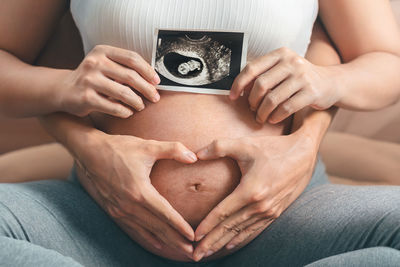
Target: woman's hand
104, 81
275, 171
115, 171
282, 82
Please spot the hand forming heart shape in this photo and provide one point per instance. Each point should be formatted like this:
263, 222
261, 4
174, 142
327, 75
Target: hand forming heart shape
275, 171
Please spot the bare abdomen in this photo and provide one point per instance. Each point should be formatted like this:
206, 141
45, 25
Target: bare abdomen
195, 120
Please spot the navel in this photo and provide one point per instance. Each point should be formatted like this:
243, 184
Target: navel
196, 187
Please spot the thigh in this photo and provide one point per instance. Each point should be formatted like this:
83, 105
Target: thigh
325, 221
377, 256
60, 216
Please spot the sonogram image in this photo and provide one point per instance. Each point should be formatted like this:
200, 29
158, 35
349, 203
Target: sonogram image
198, 59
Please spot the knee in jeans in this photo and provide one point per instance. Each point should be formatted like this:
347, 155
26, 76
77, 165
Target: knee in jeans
10, 226
384, 223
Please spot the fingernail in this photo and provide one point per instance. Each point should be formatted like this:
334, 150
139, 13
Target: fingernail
157, 246
199, 238
156, 79
230, 246
209, 253
202, 153
200, 255
127, 113
190, 155
189, 249
156, 97
191, 236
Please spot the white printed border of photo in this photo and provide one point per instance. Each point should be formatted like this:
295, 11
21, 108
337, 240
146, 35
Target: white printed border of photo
179, 88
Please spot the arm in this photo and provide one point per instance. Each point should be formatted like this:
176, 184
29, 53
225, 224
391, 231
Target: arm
21, 90
115, 171
308, 121
287, 161
352, 159
44, 162
119, 174
367, 37
368, 80
102, 82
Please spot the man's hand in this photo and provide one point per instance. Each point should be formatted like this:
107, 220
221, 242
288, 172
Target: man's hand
275, 171
116, 173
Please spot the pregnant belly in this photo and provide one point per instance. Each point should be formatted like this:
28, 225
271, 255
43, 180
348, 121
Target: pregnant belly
195, 120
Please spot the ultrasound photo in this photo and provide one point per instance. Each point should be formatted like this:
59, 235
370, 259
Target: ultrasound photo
198, 61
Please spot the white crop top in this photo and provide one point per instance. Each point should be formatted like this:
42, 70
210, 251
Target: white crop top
130, 24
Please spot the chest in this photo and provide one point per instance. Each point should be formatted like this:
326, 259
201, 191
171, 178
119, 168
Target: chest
130, 24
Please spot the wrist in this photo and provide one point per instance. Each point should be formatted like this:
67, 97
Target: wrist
335, 77
58, 87
75, 134
311, 125
81, 141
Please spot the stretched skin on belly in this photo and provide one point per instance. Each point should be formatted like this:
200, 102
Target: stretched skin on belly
195, 120
194, 190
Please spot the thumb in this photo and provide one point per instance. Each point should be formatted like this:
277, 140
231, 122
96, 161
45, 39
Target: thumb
176, 151
220, 148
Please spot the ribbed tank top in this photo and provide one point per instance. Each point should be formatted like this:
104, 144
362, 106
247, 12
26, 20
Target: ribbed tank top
130, 24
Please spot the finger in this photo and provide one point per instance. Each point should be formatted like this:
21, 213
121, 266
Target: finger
266, 82
277, 96
252, 71
133, 79
166, 234
248, 233
292, 105
230, 205
173, 150
138, 232
134, 61
159, 228
241, 196
106, 193
101, 104
119, 92
222, 148
161, 208
222, 234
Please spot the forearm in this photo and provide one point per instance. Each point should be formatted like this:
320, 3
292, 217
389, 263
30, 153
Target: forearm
27, 90
312, 125
308, 122
74, 133
369, 82
366, 34
44, 162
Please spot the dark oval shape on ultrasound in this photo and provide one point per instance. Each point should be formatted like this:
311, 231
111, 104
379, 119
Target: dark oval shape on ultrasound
173, 60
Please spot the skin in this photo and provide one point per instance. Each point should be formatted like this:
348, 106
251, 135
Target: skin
72, 132
101, 82
282, 82
78, 136
283, 70
44, 162
377, 160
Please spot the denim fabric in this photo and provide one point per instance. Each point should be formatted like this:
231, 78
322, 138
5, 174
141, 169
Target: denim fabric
56, 223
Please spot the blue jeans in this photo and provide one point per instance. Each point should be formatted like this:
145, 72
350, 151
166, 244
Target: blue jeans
56, 223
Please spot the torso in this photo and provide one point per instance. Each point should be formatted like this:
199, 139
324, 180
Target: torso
194, 119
